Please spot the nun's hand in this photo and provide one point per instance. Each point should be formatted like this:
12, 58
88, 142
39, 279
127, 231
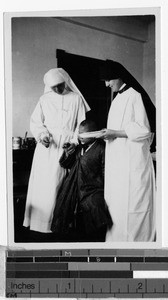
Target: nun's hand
108, 134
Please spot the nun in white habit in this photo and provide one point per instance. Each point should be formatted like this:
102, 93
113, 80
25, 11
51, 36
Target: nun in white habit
129, 172
54, 122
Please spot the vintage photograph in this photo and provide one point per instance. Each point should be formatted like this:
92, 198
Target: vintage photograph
81, 106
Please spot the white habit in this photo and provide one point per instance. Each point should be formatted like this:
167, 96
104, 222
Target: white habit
58, 115
129, 172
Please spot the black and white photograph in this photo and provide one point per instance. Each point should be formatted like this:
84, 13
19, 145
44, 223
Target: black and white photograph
82, 121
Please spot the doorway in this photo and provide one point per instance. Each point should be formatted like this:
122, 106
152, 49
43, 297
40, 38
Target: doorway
85, 72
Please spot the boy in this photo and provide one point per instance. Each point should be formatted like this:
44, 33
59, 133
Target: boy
80, 203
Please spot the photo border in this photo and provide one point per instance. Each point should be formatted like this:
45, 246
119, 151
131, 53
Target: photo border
8, 98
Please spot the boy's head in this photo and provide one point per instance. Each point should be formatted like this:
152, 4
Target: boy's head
87, 126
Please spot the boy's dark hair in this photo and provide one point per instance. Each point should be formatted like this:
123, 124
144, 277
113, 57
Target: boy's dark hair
90, 124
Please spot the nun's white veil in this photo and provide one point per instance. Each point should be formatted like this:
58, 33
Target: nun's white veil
57, 76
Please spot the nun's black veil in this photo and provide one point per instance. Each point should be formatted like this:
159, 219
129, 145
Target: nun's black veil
114, 70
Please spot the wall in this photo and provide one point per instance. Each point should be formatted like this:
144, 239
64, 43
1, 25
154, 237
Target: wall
34, 44
149, 62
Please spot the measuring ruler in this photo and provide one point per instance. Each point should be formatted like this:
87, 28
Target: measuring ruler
83, 273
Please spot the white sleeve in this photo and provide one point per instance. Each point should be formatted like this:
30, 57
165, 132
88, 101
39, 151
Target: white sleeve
37, 126
138, 128
81, 115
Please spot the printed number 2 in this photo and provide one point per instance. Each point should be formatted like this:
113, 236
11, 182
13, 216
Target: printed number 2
140, 285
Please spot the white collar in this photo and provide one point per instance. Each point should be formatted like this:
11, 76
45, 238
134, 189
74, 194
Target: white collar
82, 152
123, 85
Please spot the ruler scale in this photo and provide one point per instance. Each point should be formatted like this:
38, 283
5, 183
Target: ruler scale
83, 273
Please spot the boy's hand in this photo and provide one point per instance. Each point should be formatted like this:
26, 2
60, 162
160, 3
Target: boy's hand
69, 148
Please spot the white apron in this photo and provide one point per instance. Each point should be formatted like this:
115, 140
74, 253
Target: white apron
129, 172
60, 115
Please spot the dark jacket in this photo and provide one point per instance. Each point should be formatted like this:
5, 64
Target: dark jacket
82, 191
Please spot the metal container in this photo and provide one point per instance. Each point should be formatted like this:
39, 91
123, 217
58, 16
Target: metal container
16, 143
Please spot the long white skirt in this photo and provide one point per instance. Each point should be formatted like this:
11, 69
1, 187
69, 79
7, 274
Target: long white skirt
45, 179
130, 191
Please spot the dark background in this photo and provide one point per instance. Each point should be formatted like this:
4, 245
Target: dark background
86, 74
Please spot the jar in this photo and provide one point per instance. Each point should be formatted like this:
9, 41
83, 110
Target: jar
16, 143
